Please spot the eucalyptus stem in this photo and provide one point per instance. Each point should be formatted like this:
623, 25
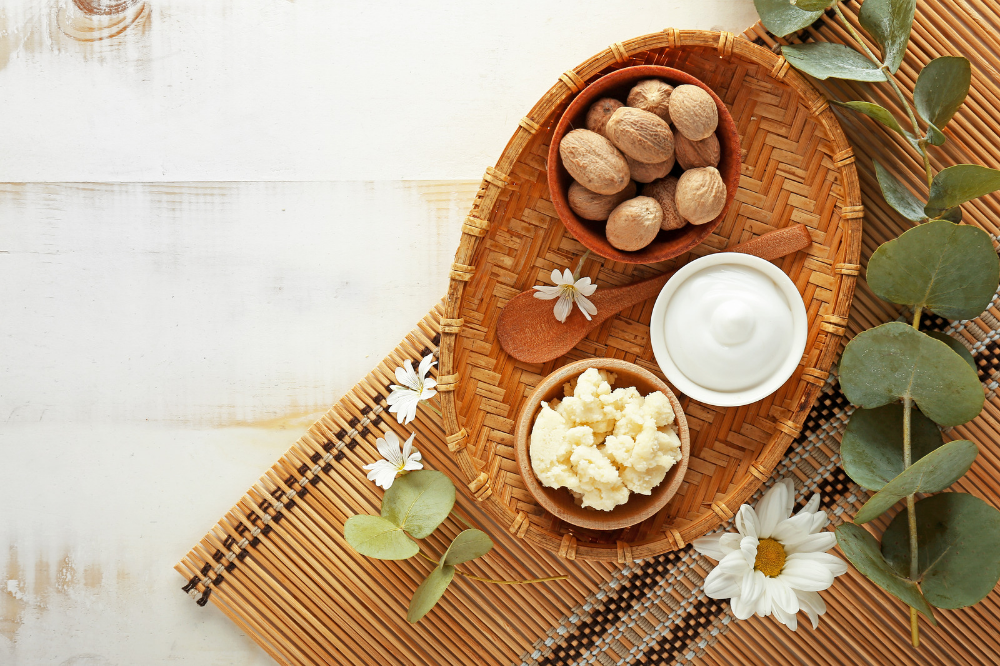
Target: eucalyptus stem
891, 79
916, 316
579, 266
428, 405
911, 515
462, 520
494, 581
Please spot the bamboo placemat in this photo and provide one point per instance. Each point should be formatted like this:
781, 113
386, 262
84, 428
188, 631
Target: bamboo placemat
277, 564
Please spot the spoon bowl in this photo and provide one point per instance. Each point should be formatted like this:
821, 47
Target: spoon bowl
528, 330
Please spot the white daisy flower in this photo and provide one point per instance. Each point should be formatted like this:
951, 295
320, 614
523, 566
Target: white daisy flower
413, 387
384, 472
568, 292
776, 564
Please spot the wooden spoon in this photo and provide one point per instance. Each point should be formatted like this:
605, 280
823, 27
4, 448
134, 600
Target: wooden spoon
529, 331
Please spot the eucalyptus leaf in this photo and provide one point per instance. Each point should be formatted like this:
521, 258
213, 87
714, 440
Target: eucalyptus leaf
872, 446
783, 18
960, 183
468, 545
947, 268
419, 501
951, 214
377, 537
956, 347
932, 473
875, 112
826, 59
941, 88
958, 538
429, 592
814, 5
896, 195
935, 137
894, 361
862, 550
889, 23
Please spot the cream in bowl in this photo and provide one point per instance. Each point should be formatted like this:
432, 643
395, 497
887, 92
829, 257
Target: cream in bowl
603, 444
728, 329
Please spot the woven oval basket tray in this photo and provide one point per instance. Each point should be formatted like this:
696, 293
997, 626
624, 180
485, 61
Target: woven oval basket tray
797, 168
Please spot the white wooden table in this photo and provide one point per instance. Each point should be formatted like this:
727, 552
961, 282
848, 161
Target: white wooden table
212, 224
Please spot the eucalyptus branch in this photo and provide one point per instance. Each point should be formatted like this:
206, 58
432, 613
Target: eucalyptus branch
492, 580
891, 79
912, 517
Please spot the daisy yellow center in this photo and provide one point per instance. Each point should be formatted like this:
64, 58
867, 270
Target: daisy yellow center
770, 558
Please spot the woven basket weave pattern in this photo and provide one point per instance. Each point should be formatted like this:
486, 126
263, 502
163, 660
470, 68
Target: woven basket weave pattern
797, 168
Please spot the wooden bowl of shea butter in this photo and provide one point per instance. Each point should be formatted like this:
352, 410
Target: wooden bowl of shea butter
559, 501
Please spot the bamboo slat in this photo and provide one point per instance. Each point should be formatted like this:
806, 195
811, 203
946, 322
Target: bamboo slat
277, 565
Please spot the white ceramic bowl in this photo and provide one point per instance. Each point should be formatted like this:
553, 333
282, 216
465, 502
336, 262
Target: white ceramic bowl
800, 326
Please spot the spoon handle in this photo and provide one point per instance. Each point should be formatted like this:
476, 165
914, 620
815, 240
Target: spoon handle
772, 245
776, 244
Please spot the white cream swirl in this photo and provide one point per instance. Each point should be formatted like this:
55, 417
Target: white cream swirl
728, 328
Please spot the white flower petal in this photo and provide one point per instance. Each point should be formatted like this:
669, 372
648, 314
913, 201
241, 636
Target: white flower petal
403, 406
773, 507
729, 542
547, 293
410, 375
748, 548
709, 547
563, 307
411, 411
782, 595
407, 445
812, 604
742, 609
567, 277
425, 365
389, 449
734, 563
584, 286
813, 543
836, 565
402, 377
785, 618
586, 307
806, 576
719, 585
556, 277
812, 506
819, 521
764, 605
752, 586
789, 496
747, 522
382, 473
793, 529
412, 465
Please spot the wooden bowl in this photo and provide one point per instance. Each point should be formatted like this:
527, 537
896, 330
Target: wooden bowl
667, 244
558, 501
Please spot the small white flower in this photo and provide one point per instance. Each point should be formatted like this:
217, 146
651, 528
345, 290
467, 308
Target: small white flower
413, 387
568, 292
776, 564
384, 472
